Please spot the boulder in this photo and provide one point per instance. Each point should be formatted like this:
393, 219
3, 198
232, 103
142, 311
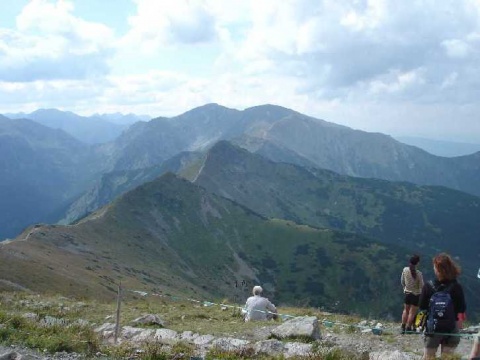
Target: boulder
295, 349
299, 327
12, 355
166, 336
188, 336
230, 344
269, 347
149, 319
392, 355
203, 340
144, 336
105, 327
129, 332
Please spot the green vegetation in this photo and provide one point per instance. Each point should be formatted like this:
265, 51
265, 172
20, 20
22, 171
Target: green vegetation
55, 338
23, 315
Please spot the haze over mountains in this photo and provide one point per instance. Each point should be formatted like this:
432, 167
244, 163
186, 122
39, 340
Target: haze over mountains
440, 147
272, 131
174, 236
268, 188
94, 129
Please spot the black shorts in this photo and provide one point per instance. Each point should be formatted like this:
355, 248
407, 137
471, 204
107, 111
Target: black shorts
411, 299
434, 341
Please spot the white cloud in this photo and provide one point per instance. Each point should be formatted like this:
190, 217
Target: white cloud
351, 61
159, 23
338, 49
50, 43
456, 48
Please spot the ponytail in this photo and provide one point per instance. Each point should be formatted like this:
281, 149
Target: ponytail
413, 263
413, 271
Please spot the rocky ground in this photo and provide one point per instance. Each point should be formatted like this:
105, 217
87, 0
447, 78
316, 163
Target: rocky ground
202, 329
394, 346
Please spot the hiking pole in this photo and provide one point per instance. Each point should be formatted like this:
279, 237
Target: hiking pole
117, 318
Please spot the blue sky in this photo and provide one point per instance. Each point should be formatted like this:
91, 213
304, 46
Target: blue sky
397, 67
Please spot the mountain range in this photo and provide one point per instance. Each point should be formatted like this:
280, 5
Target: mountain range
95, 129
277, 133
41, 171
440, 147
172, 236
319, 213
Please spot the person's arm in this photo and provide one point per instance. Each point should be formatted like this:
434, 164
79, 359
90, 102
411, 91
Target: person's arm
459, 304
420, 279
402, 279
425, 297
271, 307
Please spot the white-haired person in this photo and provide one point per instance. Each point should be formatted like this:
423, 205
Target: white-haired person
258, 308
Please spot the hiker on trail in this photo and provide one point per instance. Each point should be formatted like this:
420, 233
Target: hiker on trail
258, 307
412, 283
444, 301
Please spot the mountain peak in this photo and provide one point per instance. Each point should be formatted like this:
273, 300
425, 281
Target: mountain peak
208, 108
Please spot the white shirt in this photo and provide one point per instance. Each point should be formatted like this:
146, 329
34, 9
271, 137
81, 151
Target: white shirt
257, 308
411, 285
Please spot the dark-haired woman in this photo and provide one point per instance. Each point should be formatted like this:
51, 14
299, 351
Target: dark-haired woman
446, 273
412, 283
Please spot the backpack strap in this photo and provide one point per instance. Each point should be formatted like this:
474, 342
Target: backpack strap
441, 287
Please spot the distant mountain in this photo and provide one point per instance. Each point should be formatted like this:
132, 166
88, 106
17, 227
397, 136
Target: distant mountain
116, 183
90, 130
122, 119
439, 147
423, 219
285, 135
172, 236
41, 170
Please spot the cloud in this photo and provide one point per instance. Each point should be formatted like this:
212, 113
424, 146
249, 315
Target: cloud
371, 64
345, 50
50, 43
159, 23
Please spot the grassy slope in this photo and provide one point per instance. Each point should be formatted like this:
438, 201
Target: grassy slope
423, 219
172, 236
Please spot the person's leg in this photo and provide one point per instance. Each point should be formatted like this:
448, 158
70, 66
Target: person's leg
449, 344
475, 353
447, 350
431, 343
429, 354
405, 313
411, 317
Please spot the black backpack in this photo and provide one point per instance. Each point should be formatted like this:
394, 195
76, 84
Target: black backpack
441, 316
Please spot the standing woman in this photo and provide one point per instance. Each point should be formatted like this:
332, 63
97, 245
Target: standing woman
412, 283
446, 273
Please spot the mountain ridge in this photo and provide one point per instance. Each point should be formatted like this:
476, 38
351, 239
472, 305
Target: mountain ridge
174, 236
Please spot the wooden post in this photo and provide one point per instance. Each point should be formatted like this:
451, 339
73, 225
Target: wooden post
117, 319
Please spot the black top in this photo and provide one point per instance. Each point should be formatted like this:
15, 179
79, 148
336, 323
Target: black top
456, 292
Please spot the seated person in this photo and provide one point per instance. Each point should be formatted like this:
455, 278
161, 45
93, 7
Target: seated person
258, 307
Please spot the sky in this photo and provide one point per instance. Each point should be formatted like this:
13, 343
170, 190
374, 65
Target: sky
391, 66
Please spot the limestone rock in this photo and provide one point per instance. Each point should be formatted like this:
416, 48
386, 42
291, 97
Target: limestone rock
12, 355
203, 340
392, 355
166, 336
149, 319
269, 347
230, 344
105, 327
305, 326
294, 349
